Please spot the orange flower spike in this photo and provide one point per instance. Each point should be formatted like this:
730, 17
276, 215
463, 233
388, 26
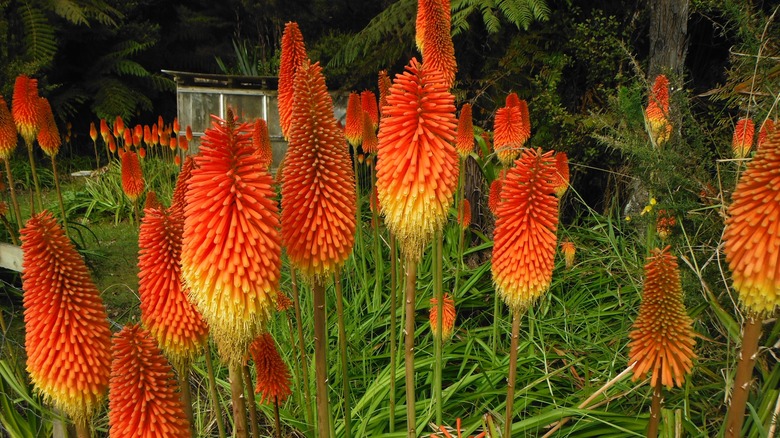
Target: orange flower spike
119, 127
183, 143
176, 126
128, 138
138, 132
143, 398
464, 140
417, 170
464, 214
48, 134
25, 108
180, 191
132, 176
261, 141
511, 131
512, 100
664, 224
767, 129
104, 131
93, 134
318, 185
569, 251
112, 144
292, 56
67, 338
370, 140
662, 337
447, 317
8, 135
152, 201
177, 160
148, 135
494, 197
750, 238
353, 130
438, 52
657, 111
524, 238
188, 133
273, 377
743, 138
165, 309
155, 135
283, 302
368, 104
561, 177
384, 89
231, 255
173, 143
160, 123
423, 17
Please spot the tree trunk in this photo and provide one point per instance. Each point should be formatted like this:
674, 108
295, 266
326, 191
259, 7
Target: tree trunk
668, 37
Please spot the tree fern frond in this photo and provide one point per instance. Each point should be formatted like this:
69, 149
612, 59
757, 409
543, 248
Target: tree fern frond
539, 9
492, 23
104, 13
517, 12
161, 83
127, 67
40, 43
461, 10
397, 20
70, 10
116, 98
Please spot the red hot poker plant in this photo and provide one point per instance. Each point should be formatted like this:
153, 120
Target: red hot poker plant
353, 129
165, 309
292, 55
368, 104
742, 141
231, 255
8, 135
273, 377
438, 52
464, 141
25, 108
132, 176
418, 166
526, 222
261, 140
67, 339
48, 134
657, 111
318, 187
662, 336
143, 396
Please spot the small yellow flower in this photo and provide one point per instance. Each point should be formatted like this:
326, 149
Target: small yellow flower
628, 218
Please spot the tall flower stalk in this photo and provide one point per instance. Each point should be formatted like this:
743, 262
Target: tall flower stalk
662, 338
750, 247
231, 255
524, 245
8, 139
318, 206
416, 178
26, 114
65, 321
50, 141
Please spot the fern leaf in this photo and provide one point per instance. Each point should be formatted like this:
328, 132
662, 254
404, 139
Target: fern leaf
492, 23
70, 11
40, 43
126, 67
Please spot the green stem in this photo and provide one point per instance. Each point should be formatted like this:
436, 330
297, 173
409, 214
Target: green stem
303, 363
250, 397
359, 223
747, 361
655, 410
31, 156
393, 304
97, 156
458, 203
321, 358
510, 392
14, 201
437, 334
379, 265
59, 194
237, 395
411, 280
277, 422
186, 396
214, 394
83, 429
496, 319
343, 351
